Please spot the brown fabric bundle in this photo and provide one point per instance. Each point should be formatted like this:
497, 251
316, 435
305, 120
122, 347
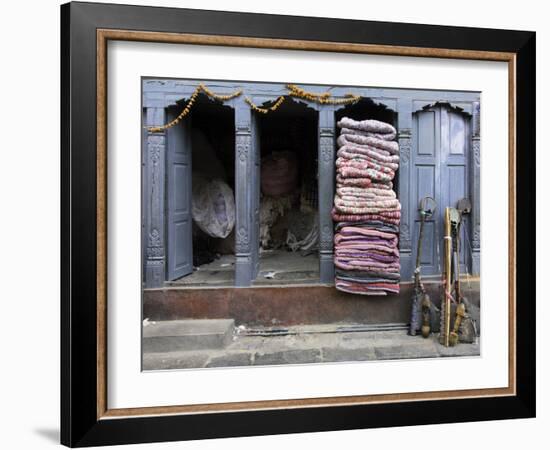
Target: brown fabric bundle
279, 174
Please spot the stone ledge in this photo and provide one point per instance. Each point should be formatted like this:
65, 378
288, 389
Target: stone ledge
310, 348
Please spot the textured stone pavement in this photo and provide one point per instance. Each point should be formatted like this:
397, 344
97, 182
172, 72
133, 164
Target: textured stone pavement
310, 347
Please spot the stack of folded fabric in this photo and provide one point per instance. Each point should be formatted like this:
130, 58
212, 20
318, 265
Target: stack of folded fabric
366, 209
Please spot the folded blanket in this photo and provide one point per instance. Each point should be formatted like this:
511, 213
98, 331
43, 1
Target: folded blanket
388, 185
362, 200
367, 192
377, 225
362, 182
349, 263
366, 280
364, 274
368, 143
367, 249
373, 174
374, 254
370, 126
345, 144
353, 245
357, 182
370, 289
354, 156
353, 201
384, 137
366, 209
352, 230
358, 208
354, 264
395, 214
364, 164
364, 218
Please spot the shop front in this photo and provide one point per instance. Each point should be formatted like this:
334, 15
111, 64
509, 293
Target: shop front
274, 152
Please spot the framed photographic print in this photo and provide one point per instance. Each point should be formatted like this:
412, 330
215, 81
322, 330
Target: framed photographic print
278, 224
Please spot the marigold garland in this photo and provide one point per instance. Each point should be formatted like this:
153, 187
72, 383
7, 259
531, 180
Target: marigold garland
222, 98
323, 99
185, 111
272, 108
294, 91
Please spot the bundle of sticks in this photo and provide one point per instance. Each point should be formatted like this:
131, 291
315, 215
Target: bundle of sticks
366, 209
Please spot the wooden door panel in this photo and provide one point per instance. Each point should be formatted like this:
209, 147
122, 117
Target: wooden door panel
425, 183
179, 194
440, 156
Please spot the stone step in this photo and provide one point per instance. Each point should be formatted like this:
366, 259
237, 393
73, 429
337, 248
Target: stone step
190, 334
246, 350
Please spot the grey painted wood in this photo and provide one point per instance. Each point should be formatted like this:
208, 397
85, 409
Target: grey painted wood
417, 175
144, 213
154, 200
403, 181
475, 177
244, 162
456, 129
440, 160
163, 92
179, 260
425, 180
326, 174
255, 195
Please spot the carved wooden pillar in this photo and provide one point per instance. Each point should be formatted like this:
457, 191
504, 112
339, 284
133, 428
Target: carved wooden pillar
154, 226
404, 127
475, 189
243, 196
326, 171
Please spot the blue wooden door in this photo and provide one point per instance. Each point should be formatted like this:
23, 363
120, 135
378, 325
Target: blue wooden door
179, 261
440, 155
455, 146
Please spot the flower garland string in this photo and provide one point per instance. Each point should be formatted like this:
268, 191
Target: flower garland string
294, 91
323, 99
271, 108
185, 111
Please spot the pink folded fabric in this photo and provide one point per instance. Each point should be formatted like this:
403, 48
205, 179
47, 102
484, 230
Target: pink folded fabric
393, 214
384, 137
350, 251
364, 164
365, 158
389, 146
364, 231
367, 207
382, 129
388, 185
367, 289
366, 251
394, 220
353, 172
356, 150
357, 264
367, 192
357, 182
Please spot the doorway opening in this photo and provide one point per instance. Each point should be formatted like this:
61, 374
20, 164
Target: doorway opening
211, 137
289, 219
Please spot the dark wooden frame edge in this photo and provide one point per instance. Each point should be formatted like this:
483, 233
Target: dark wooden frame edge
80, 425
